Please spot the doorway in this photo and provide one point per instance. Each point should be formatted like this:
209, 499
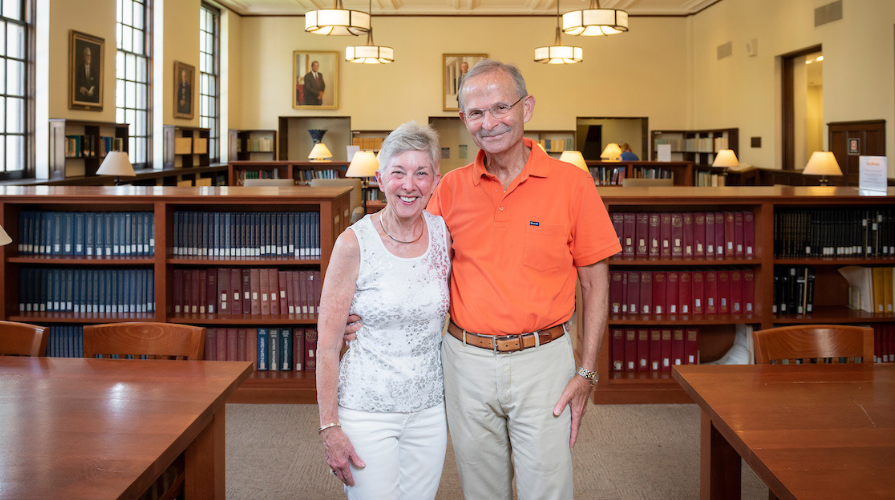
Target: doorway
595, 133
803, 107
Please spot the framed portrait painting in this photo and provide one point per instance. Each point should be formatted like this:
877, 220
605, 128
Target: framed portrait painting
184, 89
315, 80
454, 67
85, 69
854, 146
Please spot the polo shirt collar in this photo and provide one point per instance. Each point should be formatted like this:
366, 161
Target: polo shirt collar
535, 166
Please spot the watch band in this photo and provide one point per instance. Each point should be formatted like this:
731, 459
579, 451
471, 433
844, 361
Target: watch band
590, 376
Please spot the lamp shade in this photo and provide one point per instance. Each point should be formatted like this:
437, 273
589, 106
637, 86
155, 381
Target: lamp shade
575, 158
370, 53
726, 158
822, 163
4, 238
364, 164
320, 152
595, 22
612, 151
116, 163
337, 21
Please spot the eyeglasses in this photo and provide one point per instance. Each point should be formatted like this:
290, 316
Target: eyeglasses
499, 110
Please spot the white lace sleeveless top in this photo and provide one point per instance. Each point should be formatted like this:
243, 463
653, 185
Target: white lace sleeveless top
395, 363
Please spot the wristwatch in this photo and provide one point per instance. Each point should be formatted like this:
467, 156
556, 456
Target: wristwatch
591, 377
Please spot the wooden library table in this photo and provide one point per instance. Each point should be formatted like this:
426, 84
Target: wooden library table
808, 431
102, 429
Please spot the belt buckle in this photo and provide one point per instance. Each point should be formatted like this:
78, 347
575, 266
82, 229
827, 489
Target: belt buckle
507, 337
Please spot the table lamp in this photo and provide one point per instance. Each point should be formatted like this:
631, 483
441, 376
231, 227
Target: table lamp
320, 152
575, 158
612, 152
822, 163
116, 163
364, 164
4, 238
726, 158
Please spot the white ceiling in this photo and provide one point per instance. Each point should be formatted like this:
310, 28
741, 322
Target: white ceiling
465, 7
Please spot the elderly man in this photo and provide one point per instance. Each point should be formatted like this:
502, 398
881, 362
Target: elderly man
524, 227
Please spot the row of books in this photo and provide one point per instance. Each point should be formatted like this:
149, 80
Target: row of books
793, 290
256, 145
652, 173
557, 145
688, 235
265, 291
303, 177
703, 178
103, 291
269, 349
65, 341
840, 232
883, 343
80, 146
368, 143
608, 176
870, 288
247, 234
90, 234
257, 173
695, 144
374, 195
653, 349
697, 292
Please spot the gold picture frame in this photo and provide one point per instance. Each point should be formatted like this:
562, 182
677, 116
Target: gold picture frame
452, 74
308, 91
184, 90
86, 57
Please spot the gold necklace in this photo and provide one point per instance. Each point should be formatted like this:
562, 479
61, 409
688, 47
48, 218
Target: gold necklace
396, 239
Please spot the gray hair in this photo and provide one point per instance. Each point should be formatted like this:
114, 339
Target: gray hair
486, 65
410, 136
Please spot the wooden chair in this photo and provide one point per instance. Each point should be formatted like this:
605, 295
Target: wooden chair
813, 344
22, 339
154, 340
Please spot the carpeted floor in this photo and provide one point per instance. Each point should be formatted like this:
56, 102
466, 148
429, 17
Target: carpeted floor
623, 452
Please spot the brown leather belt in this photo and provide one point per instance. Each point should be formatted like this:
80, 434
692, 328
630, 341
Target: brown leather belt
507, 343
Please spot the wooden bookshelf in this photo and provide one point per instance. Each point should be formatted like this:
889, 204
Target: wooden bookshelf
163, 203
369, 140
697, 146
256, 145
605, 173
186, 147
300, 171
82, 157
553, 141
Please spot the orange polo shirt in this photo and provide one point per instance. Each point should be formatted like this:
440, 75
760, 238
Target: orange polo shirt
516, 251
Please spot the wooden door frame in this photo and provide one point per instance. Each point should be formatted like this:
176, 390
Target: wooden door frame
788, 106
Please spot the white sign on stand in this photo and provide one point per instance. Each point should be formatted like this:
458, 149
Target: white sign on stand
872, 175
663, 152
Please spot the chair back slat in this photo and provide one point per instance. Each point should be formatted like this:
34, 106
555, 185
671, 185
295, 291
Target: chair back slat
22, 339
803, 344
153, 340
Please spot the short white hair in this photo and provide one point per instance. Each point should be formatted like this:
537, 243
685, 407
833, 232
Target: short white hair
410, 136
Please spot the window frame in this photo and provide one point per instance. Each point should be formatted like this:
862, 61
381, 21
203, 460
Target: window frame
215, 140
147, 54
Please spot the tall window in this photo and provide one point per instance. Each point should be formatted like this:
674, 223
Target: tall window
209, 69
13, 109
132, 96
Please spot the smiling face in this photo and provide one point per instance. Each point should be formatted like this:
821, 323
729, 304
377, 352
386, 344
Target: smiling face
408, 182
485, 90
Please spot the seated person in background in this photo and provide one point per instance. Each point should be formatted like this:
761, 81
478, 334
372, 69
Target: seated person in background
627, 154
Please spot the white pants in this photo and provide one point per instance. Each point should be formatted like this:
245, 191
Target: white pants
502, 404
404, 453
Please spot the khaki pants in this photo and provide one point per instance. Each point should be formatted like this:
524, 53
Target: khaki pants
502, 404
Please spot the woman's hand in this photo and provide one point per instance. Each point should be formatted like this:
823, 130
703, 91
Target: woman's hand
338, 451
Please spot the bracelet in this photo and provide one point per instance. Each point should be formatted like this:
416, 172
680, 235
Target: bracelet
327, 426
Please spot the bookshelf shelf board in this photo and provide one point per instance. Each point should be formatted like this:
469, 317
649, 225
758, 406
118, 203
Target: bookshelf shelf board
834, 315
277, 387
243, 319
682, 319
835, 261
639, 387
108, 261
682, 262
242, 261
80, 318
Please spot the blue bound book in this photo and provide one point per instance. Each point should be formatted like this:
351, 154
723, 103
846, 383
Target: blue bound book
286, 349
262, 349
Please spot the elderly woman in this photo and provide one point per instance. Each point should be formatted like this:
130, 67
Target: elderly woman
382, 417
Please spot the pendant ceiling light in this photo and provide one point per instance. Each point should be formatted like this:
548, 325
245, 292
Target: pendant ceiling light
337, 21
558, 53
595, 21
370, 53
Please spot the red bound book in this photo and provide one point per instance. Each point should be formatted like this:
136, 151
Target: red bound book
281, 289
618, 349
615, 291
711, 292
221, 341
672, 288
298, 348
255, 287
223, 291
689, 239
630, 224
232, 345
195, 295
618, 223
247, 292
736, 291
691, 346
211, 288
178, 291
310, 349
685, 292
633, 292
188, 291
643, 350
719, 235
666, 349
659, 300
264, 287
677, 346
655, 234
241, 344
290, 292
303, 291
665, 235
203, 289
210, 345
252, 347
236, 291
709, 235
677, 236
748, 291
655, 349
641, 251
723, 291
274, 276
729, 236
699, 235
748, 235
739, 238
630, 350
646, 292
697, 281
315, 291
